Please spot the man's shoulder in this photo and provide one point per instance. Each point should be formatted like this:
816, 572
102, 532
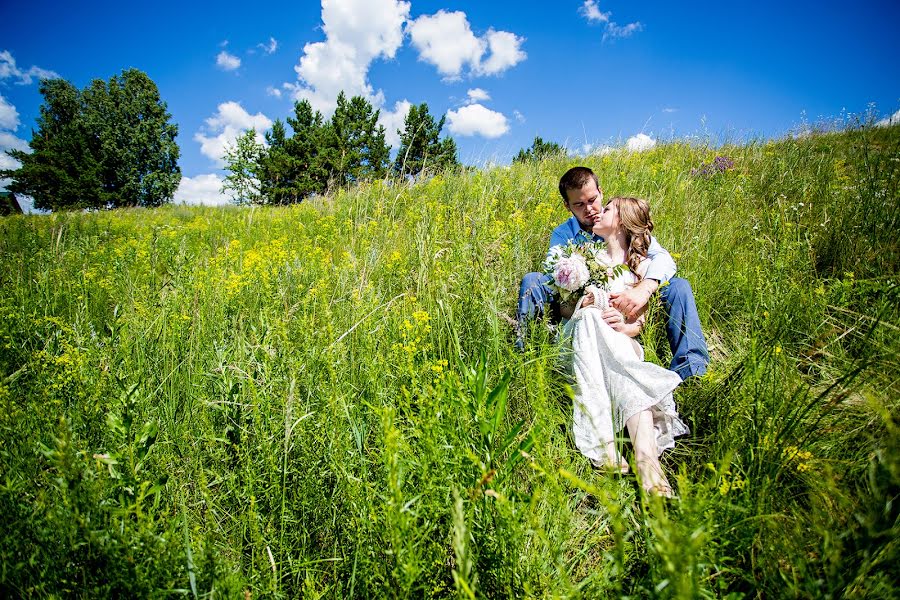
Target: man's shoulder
565, 231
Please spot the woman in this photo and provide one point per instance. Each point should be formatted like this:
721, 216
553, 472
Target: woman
614, 386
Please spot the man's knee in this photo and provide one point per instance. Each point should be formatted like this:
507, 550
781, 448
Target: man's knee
529, 281
676, 291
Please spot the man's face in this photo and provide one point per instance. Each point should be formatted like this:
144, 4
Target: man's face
585, 204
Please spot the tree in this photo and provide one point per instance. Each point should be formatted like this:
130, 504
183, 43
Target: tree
420, 146
274, 171
243, 160
539, 150
110, 145
355, 149
305, 170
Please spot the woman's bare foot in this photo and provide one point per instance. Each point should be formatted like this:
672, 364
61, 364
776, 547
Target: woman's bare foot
652, 479
614, 462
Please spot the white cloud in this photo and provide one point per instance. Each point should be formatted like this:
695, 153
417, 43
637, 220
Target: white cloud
612, 30
640, 142
270, 47
445, 40
227, 62
201, 190
615, 31
669, 110
9, 120
393, 120
477, 95
9, 69
592, 13
356, 33
9, 116
894, 119
10, 142
519, 116
225, 126
273, 91
506, 52
475, 119
596, 149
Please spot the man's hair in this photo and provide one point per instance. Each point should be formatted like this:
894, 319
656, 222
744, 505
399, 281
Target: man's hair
575, 179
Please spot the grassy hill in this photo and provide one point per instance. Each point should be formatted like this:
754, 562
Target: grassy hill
322, 400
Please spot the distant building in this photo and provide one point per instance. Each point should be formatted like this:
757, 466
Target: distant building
8, 204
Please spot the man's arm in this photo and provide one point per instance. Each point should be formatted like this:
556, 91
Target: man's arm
658, 268
662, 266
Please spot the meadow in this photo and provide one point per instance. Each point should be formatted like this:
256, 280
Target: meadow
323, 401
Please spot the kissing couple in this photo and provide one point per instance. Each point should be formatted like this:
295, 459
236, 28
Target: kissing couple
602, 270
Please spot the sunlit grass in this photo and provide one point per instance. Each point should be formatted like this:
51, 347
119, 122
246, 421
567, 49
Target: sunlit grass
321, 400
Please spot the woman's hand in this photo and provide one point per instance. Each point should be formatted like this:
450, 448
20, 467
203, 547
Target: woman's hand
588, 300
618, 322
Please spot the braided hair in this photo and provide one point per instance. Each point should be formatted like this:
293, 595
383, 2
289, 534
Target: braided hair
634, 214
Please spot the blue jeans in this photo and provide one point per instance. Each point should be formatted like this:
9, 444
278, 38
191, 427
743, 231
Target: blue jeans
689, 353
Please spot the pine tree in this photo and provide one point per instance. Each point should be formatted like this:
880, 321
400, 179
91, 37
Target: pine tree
305, 171
538, 151
275, 167
355, 149
420, 146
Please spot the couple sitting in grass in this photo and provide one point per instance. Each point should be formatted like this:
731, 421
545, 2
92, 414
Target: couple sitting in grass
601, 272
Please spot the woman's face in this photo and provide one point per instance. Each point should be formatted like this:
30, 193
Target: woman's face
607, 221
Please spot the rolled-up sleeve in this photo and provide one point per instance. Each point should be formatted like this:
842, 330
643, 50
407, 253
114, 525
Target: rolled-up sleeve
662, 265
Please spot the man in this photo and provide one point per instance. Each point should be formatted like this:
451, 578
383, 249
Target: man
583, 197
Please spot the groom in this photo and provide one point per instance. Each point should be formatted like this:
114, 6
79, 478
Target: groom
583, 197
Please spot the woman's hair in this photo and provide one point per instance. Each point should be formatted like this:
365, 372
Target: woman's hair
634, 215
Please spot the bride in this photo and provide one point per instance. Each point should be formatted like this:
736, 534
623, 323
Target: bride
615, 387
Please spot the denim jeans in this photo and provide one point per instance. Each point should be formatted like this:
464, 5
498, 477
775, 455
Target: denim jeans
689, 353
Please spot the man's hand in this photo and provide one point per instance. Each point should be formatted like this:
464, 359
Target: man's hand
633, 302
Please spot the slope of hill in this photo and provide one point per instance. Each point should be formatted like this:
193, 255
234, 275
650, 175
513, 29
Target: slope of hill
322, 400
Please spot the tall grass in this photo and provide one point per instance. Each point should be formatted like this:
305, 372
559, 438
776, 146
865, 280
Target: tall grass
321, 400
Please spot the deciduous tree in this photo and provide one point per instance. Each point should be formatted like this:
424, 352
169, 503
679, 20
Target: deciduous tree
109, 145
243, 161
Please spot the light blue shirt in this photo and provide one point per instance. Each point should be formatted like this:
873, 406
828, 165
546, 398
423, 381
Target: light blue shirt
661, 268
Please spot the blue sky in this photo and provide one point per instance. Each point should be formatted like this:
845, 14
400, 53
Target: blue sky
587, 74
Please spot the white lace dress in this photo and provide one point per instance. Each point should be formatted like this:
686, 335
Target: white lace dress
613, 382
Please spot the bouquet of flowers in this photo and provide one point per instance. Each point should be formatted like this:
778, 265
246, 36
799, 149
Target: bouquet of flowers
576, 267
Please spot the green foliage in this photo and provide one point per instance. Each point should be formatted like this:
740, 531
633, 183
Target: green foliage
109, 145
347, 149
320, 400
420, 146
539, 150
354, 148
243, 162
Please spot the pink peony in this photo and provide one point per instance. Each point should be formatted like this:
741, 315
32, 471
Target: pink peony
571, 273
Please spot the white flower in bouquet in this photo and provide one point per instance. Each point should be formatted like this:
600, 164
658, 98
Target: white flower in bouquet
571, 273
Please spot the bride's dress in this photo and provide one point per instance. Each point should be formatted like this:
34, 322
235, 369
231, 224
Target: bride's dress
613, 382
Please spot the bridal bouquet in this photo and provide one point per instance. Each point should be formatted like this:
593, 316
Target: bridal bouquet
575, 267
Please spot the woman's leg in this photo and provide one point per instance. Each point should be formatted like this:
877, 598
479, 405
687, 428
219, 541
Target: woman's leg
646, 454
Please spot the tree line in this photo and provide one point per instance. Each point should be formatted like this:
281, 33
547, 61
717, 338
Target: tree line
319, 154
112, 144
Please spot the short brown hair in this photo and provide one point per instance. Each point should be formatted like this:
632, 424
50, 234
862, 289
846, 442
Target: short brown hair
575, 179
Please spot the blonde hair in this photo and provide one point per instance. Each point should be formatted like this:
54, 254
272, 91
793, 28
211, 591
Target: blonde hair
634, 214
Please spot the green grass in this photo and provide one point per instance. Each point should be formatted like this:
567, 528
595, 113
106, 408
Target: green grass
322, 401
